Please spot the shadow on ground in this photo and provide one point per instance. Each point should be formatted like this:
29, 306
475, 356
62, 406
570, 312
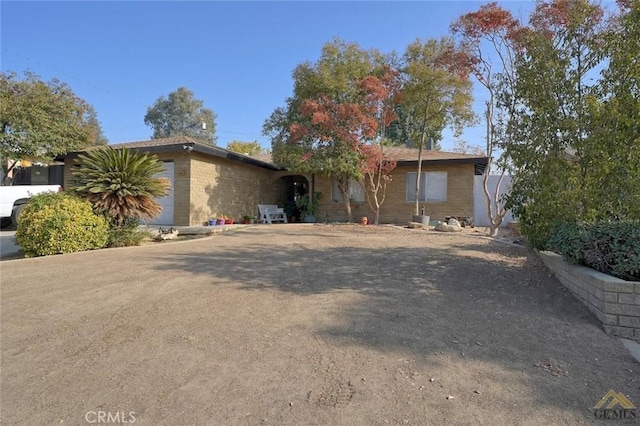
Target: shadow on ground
444, 302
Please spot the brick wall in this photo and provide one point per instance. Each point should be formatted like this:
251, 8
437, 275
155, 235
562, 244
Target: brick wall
396, 208
221, 186
615, 302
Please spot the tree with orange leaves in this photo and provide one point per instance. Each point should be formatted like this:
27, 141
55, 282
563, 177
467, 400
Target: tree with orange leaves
382, 95
491, 36
333, 111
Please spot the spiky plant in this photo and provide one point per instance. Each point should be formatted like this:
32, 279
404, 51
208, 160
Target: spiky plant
121, 183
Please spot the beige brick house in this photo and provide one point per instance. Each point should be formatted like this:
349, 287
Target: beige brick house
446, 188
208, 181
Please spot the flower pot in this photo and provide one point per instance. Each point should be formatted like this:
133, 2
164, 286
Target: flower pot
228, 222
309, 219
220, 222
422, 219
212, 222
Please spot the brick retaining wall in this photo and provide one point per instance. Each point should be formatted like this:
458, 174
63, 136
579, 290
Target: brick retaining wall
615, 302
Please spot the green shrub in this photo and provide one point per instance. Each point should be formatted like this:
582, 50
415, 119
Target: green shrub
54, 223
567, 238
612, 247
127, 234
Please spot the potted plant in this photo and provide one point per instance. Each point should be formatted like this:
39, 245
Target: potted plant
308, 206
221, 220
246, 219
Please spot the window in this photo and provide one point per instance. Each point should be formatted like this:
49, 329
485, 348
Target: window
356, 192
433, 187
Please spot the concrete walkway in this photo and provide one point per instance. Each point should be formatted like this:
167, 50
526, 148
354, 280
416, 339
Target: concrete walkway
8, 249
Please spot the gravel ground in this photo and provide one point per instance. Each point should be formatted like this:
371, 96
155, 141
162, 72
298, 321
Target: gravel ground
302, 324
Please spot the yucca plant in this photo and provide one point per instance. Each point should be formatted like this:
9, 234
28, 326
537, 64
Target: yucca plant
121, 183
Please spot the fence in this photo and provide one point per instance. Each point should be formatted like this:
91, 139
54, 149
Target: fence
479, 204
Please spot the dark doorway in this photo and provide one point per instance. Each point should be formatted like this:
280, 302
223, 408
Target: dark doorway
295, 187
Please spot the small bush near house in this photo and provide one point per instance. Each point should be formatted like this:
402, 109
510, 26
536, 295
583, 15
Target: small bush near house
612, 247
127, 234
54, 223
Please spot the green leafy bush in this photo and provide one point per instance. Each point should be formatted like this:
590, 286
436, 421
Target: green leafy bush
127, 234
612, 247
54, 223
567, 238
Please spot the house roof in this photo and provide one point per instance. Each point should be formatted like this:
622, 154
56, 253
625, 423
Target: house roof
186, 143
402, 154
407, 156
405, 153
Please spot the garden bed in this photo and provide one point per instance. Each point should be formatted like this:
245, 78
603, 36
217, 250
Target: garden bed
614, 301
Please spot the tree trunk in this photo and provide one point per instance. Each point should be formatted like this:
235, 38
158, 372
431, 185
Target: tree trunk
498, 212
343, 185
495, 211
423, 135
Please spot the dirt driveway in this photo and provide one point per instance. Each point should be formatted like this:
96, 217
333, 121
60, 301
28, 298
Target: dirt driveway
300, 324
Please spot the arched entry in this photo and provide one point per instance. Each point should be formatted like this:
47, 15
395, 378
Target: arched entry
294, 187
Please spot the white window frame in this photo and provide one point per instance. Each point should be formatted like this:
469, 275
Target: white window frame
433, 187
356, 191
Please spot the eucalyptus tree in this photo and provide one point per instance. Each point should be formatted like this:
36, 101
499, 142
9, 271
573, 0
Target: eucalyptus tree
491, 36
181, 114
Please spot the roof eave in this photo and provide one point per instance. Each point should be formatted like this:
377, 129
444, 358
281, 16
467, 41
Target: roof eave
230, 155
480, 163
193, 147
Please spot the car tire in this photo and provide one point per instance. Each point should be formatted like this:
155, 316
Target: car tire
15, 214
5, 222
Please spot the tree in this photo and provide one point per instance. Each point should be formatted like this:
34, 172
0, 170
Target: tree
382, 95
181, 114
437, 93
559, 54
248, 148
41, 120
463, 147
121, 184
326, 119
613, 152
377, 174
490, 35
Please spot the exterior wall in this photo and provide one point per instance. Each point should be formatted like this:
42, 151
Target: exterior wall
480, 217
69, 161
615, 302
225, 187
396, 208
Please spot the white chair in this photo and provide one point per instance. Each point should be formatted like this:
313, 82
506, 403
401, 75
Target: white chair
270, 213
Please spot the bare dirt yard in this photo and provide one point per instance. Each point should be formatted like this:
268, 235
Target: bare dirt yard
302, 324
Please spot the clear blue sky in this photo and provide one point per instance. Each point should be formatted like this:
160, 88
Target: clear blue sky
237, 57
